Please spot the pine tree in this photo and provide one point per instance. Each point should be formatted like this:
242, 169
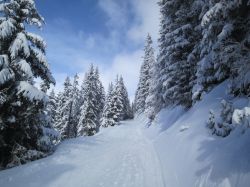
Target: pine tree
117, 106
52, 106
128, 113
22, 106
82, 93
224, 47
142, 91
75, 92
90, 114
58, 107
100, 94
222, 125
50, 135
178, 36
64, 122
154, 99
107, 116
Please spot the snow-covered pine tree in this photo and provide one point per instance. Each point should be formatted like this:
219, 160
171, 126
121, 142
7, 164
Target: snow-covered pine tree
22, 58
153, 100
100, 94
128, 113
224, 47
52, 106
81, 92
59, 104
75, 92
89, 122
142, 91
64, 123
133, 108
117, 106
107, 116
222, 125
241, 117
178, 36
50, 135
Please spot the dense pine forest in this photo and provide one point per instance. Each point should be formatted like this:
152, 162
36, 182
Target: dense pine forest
201, 44
201, 63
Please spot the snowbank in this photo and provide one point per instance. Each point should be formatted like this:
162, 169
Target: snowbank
190, 156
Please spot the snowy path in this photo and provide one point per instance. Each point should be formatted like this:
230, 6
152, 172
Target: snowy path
120, 156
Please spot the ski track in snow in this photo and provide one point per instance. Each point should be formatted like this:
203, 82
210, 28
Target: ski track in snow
118, 156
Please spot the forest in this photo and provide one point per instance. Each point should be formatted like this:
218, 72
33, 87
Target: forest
193, 89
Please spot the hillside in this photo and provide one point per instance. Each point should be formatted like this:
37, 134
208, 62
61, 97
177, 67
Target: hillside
191, 156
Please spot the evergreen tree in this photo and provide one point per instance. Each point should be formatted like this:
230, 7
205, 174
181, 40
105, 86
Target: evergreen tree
81, 93
107, 116
224, 47
23, 131
178, 36
128, 113
133, 108
52, 106
58, 106
90, 111
64, 122
75, 92
100, 94
221, 125
117, 106
142, 91
154, 99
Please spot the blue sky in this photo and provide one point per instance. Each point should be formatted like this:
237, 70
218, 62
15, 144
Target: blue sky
107, 33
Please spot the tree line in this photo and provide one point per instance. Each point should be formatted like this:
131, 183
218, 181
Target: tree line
201, 44
82, 110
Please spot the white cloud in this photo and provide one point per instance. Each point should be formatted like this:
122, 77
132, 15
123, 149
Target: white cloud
147, 14
145, 17
125, 64
116, 12
72, 51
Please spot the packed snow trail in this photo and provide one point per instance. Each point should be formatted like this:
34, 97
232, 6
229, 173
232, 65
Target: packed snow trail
118, 156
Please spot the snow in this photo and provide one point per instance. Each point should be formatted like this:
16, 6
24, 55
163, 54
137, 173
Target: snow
176, 150
6, 74
118, 156
20, 44
31, 92
7, 28
25, 67
210, 13
226, 31
242, 117
36, 39
184, 128
40, 56
195, 157
36, 21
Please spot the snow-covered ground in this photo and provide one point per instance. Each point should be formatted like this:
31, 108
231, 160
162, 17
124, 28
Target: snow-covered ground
190, 156
177, 150
120, 156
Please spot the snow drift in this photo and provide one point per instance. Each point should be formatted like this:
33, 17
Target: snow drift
191, 156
